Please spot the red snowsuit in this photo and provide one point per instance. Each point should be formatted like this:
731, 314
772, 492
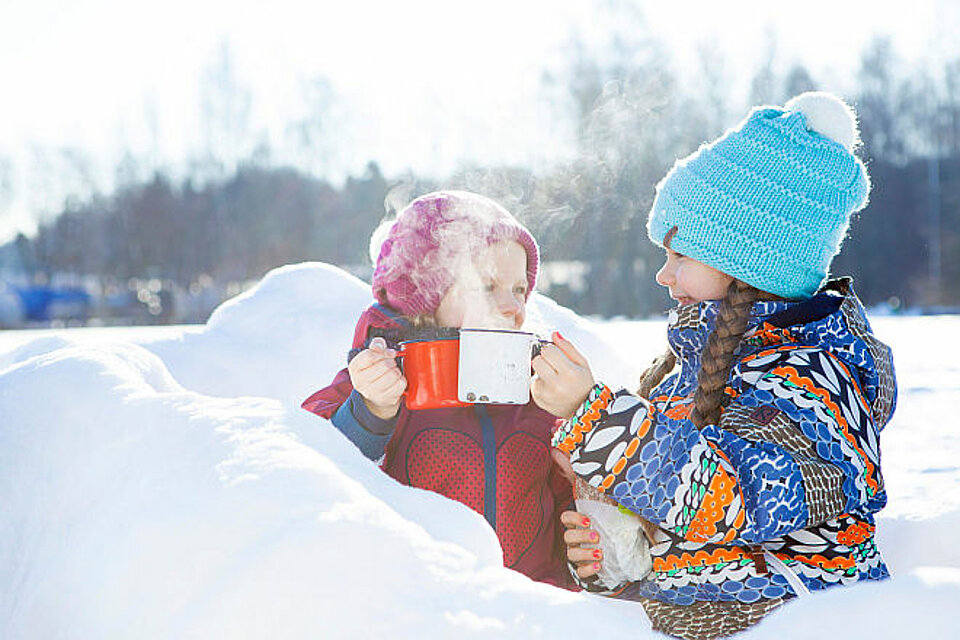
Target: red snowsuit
493, 458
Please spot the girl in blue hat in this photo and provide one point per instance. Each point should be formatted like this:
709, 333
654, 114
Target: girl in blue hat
753, 443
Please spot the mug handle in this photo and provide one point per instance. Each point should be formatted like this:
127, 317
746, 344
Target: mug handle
401, 353
537, 346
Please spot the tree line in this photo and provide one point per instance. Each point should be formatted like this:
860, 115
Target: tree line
633, 118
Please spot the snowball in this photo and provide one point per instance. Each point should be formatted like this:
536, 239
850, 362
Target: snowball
828, 115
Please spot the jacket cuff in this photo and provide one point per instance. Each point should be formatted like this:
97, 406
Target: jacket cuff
370, 443
373, 424
600, 446
572, 432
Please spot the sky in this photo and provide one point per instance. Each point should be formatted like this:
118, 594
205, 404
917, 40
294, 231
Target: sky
209, 505
421, 86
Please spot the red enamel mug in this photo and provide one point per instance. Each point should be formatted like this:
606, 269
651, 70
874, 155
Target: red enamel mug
430, 365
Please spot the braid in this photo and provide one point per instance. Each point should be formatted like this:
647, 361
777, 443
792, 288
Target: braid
717, 356
656, 372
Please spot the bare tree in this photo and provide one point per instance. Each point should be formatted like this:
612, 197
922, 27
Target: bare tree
715, 88
950, 134
312, 139
6, 183
224, 116
797, 81
763, 86
878, 102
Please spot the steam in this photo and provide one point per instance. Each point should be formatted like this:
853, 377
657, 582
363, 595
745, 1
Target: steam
457, 259
396, 199
465, 252
469, 291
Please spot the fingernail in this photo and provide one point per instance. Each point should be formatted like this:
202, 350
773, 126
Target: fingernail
594, 536
559, 335
586, 522
596, 566
597, 554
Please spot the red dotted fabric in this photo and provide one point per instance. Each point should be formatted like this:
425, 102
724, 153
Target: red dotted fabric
447, 462
442, 450
522, 466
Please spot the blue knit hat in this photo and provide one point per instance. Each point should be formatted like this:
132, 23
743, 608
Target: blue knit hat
770, 201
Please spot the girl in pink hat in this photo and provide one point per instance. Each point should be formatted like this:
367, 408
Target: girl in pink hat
453, 258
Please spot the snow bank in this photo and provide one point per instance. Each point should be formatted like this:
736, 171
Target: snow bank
159, 486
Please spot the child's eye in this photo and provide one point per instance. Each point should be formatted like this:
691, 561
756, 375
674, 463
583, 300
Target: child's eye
489, 287
673, 255
520, 290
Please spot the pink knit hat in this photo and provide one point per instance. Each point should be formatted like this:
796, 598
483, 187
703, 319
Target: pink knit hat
432, 238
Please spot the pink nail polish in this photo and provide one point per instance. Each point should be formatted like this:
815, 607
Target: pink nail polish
596, 566
594, 536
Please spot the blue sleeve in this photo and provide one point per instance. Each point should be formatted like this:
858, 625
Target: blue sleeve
370, 433
797, 446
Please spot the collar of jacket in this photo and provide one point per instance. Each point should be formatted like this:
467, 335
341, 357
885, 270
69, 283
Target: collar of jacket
689, 326
833, 319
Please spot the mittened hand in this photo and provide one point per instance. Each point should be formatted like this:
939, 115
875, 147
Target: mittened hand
563, 378
375, 375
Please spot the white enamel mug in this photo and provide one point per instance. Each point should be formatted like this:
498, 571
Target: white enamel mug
494, 366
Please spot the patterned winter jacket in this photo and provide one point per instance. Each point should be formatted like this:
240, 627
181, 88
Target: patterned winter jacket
495, 459
792, 469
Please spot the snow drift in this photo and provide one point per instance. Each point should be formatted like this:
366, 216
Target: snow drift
159, 484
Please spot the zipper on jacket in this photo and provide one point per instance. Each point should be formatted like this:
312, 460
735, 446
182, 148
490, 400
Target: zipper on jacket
489, 465
759, 561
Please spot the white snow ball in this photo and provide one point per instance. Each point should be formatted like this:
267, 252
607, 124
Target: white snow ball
828, 115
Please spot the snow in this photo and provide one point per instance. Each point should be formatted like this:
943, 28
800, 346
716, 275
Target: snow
163, 483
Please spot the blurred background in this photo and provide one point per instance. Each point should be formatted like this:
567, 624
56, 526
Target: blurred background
157, 158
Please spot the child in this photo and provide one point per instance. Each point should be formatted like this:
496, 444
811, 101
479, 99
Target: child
759, 459
452, 258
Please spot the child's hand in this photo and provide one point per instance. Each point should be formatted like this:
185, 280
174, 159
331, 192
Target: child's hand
586, 560
563, 378
375, 375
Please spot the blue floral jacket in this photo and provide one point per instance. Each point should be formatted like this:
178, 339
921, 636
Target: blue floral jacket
791, 473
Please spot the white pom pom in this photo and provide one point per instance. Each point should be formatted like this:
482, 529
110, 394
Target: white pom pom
828, 115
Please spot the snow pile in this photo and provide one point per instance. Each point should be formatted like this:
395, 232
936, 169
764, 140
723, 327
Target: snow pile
158, 485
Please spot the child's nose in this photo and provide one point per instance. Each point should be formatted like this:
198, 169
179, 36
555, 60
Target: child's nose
665, 276
508, 304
